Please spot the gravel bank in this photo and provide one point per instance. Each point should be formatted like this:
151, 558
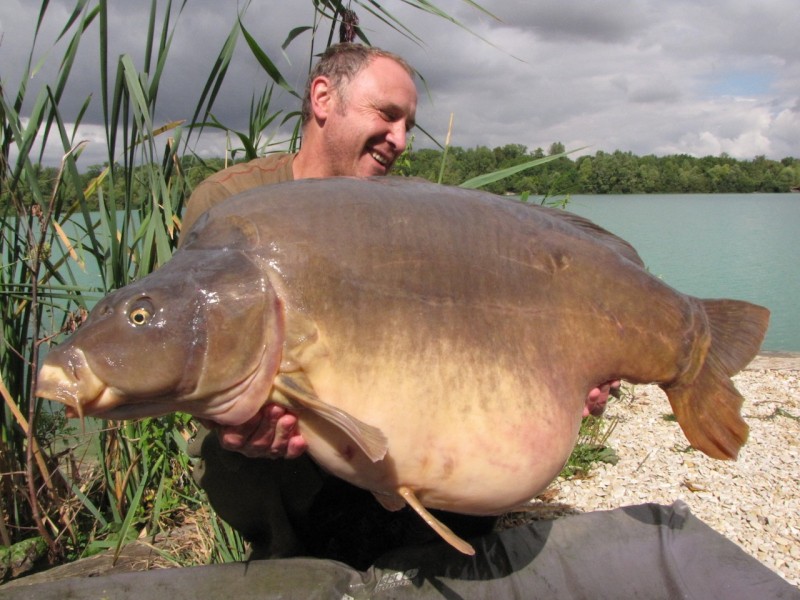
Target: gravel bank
755, 501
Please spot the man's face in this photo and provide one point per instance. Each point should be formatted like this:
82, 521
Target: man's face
366, 129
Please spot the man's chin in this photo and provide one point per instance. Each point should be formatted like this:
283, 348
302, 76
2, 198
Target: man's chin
372, 173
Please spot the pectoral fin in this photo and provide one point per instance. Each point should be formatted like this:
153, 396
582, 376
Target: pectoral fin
297, 388
443, 530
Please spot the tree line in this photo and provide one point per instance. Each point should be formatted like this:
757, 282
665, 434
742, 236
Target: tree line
605, 173
601, 173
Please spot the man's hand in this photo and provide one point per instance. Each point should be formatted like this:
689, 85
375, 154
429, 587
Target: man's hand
270, 433
598, 398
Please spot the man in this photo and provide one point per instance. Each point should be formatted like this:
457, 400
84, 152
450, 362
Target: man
358, 106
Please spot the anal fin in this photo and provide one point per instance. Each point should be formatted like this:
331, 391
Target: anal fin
443, 530
391, 502
296, 387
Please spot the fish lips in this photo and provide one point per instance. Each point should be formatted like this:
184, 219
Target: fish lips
66, 377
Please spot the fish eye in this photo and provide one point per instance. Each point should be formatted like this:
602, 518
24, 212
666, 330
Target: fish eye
141, 313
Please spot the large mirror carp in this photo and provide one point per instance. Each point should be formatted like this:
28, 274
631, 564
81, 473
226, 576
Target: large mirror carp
438, 344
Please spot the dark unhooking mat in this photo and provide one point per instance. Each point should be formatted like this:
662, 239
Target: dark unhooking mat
646, 551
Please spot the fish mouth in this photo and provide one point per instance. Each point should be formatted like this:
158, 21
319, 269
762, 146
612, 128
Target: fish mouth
70, 380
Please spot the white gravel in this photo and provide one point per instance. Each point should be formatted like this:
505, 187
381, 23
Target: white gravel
754, 501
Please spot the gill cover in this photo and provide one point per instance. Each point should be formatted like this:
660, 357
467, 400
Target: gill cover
240, 319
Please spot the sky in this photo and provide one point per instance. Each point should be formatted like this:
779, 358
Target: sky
700, 77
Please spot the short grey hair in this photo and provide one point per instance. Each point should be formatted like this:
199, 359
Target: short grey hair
341, 63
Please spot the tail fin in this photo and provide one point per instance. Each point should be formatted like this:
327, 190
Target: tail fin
708, 408
737, 330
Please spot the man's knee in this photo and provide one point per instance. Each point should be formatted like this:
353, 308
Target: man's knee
251, 494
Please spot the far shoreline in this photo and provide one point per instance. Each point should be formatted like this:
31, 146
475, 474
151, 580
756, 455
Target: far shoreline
775, 361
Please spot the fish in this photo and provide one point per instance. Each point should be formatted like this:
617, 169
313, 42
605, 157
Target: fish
437, 344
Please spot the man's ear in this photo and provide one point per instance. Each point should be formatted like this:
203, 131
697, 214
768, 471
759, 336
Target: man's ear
322, 97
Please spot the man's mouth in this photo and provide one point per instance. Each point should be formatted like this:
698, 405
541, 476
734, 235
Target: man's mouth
380, 159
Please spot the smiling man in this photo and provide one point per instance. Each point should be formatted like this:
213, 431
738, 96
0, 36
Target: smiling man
355, 117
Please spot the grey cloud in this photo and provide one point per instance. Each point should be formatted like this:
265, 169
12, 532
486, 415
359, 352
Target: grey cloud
581, 20
636, 75
654, 92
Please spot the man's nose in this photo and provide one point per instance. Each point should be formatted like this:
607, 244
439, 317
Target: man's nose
397, 136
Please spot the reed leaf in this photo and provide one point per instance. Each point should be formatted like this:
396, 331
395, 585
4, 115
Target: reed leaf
265, 62
482, 180
127, 523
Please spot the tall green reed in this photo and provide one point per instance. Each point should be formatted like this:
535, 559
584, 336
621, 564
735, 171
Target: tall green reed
41, 296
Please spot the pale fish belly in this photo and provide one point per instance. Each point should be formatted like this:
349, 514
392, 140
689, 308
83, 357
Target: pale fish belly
481, 463
492, 466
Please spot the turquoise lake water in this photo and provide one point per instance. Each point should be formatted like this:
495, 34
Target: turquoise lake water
742, 246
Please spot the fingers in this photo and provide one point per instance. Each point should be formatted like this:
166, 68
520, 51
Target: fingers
296, 446
283, 431
270, 433
236, 437
597, 399
598, 393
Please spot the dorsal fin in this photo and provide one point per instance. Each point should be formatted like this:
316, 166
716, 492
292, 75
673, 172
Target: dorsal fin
602, 235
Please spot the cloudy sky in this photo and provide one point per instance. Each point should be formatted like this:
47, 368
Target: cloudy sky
700, 77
